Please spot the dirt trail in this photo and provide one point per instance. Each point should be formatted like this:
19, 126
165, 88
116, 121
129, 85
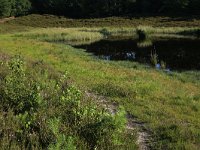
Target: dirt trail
143, 135
6, 19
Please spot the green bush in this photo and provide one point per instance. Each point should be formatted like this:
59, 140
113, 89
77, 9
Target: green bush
47, 113
19, 92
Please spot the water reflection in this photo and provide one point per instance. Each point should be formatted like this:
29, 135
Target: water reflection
179, 54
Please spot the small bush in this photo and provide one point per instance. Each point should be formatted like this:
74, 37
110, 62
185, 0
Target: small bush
18, 91
142, 35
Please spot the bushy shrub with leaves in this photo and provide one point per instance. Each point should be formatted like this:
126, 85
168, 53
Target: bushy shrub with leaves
38, 112
19, 92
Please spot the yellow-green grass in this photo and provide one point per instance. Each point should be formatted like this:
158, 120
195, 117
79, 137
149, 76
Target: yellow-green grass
7, 28
76, 36
62, 34
169, 104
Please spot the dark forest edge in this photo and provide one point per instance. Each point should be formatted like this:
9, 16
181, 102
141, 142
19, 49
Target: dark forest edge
99, 8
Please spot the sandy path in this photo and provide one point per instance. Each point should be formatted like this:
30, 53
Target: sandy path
143, 135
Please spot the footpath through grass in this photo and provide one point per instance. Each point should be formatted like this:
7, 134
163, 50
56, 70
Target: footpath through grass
169, 104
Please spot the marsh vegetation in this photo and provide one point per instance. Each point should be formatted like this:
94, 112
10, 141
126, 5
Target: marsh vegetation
44, 108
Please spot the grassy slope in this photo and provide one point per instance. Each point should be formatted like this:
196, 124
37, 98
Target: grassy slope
169, 104
55, 21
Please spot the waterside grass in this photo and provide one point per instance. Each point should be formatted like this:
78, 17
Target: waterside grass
74, 36
62, 35
168, 103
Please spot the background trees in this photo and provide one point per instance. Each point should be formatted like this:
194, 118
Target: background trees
14, 7
5, 8
20, 7
99, 8
175, 5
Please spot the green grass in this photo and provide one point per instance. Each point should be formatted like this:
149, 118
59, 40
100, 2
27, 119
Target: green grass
7, 28
169, 104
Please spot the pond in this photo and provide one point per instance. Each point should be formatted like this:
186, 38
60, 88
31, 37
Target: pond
177, 54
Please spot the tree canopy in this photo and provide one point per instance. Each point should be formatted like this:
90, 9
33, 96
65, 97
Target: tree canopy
14, 7
99, 8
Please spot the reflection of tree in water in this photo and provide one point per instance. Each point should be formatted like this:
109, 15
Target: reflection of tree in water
181, 53
176, 54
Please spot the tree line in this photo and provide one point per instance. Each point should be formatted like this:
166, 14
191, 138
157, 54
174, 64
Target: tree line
99, 8
14, 7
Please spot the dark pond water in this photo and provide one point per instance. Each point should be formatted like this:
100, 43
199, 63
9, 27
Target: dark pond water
178, 54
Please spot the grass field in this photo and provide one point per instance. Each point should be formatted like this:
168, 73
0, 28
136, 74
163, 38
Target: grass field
169, 104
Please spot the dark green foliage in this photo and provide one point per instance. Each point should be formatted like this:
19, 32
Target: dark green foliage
21, 7
102, 8
142, 35
5, 8
14, 7
83, 8
175, 5
194, 6
99, 8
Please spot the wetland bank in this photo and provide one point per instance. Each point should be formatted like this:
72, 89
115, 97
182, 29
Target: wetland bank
69, 81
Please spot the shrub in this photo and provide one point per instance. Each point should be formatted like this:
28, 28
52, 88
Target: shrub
19, 92
44, 113
141, 34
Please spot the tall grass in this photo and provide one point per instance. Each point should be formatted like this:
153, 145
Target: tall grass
62, 35
174, 32
84, 35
